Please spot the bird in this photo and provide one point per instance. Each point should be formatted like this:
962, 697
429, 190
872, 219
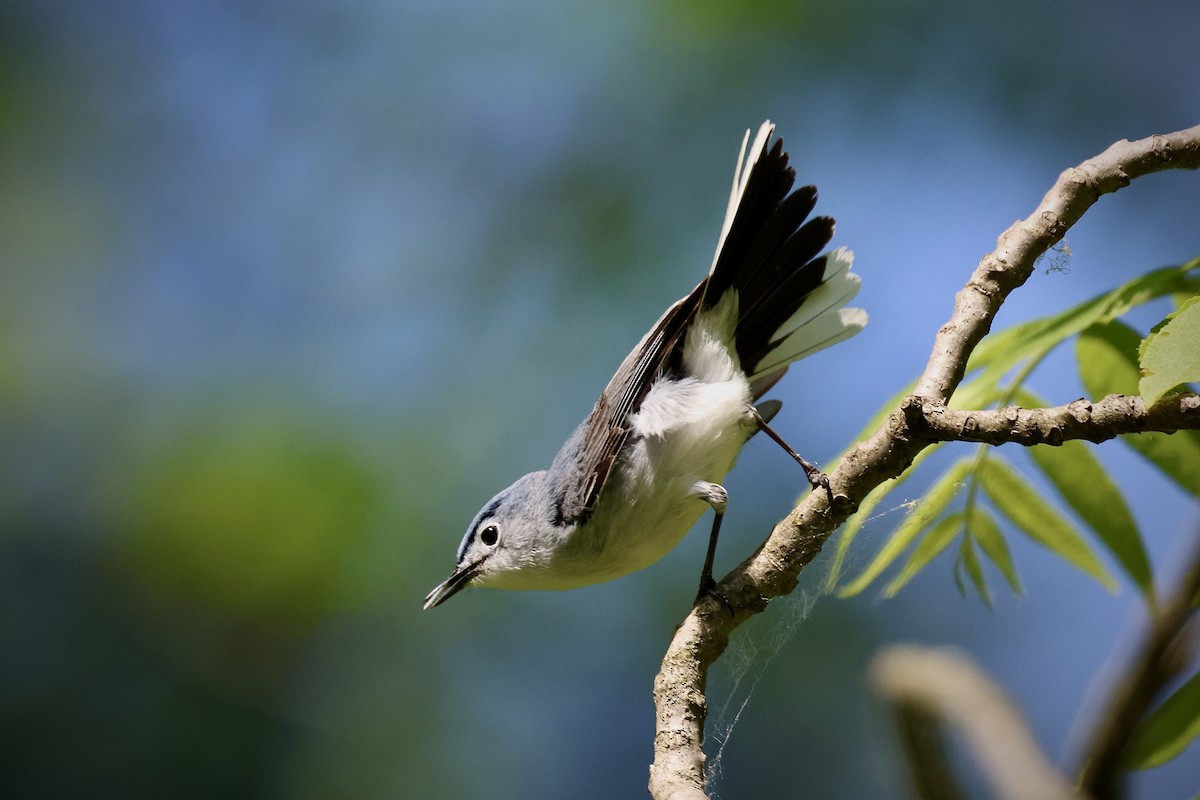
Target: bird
642, 468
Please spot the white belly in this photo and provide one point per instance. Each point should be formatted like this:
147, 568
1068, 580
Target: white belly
686, 431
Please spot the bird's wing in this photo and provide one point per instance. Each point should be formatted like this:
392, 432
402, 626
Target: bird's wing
584, 463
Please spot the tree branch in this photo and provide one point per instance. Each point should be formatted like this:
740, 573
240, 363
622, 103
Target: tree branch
933, 776
1096, 422
927, 686
681, 707
1164, 653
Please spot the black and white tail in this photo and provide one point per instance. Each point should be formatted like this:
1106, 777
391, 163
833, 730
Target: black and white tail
791, 297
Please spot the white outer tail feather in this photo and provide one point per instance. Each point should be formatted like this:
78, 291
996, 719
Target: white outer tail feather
838, 287
822, 321
741, 175
826, 330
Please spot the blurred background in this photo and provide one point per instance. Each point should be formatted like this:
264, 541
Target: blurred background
290, 289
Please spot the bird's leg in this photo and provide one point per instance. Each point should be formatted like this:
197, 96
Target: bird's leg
815, 476
715, 495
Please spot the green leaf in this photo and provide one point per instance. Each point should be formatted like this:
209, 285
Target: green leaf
863, 515
1168, 730
1020, 502
975, 394
984, 530
1085, 485
1152, 285
1000, 345
929, 508
1108, 365
930, 546
1107, 356
1000, 353
1170, 355
1087, 488
970, 563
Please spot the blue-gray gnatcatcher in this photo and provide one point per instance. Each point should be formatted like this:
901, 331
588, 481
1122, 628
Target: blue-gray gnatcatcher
640, 470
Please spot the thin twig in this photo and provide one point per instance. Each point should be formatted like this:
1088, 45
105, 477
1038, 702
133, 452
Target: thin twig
1093, 421
1167, 649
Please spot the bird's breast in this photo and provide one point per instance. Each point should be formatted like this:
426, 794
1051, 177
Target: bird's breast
685, 431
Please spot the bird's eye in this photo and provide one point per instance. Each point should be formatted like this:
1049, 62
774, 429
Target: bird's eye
489, 535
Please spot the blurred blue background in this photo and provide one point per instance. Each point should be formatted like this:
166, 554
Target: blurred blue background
291, 288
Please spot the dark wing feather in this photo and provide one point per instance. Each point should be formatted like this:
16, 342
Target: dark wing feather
597, 444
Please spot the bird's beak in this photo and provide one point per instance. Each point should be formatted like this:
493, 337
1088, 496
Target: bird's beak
458, 580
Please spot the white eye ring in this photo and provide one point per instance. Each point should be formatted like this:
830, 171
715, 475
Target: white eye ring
489, 535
